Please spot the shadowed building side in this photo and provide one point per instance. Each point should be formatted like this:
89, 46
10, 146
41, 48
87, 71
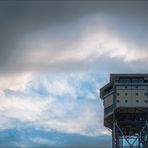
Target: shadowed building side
125, 100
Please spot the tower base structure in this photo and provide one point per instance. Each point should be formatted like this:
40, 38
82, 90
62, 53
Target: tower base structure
130, 128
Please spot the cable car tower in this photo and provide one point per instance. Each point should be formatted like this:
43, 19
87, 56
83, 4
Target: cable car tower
125, 100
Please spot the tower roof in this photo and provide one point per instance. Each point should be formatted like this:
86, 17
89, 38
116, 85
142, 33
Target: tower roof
115, 76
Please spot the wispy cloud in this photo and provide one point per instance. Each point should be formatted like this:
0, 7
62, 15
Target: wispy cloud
69, 105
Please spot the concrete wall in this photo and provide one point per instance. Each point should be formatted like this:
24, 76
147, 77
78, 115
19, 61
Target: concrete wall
131, 96
126, 96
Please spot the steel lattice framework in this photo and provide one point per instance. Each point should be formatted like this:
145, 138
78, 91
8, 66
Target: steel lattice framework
130, 129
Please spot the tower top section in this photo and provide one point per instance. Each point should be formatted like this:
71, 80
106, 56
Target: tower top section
124, 78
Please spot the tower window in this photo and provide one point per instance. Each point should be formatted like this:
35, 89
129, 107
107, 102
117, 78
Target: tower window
136, 86
126, 94
137, 94
137, 101
118, 94
145, 94
126, 101
146, 101
125, 86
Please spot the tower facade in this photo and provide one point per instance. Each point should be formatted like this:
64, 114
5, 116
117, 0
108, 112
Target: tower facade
125, 100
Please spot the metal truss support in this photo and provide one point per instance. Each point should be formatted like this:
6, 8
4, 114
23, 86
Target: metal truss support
142, 137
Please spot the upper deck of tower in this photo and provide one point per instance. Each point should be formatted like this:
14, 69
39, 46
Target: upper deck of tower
125, 91
124, 79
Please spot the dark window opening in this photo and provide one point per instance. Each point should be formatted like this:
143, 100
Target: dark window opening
130, 80
126, 101
137, 100
108, 109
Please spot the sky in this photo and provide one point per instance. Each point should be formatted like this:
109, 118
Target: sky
54, 57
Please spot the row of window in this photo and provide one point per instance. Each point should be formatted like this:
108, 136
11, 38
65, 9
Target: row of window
131, 81
136, 87
146, 94
110, 108
126, 101
127, 87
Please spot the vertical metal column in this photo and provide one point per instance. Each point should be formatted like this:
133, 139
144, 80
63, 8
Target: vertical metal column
114, 124
114, 135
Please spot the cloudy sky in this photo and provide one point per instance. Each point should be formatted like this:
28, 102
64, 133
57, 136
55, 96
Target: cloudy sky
54, 57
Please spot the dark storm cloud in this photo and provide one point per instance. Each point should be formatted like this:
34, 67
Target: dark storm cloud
20, 18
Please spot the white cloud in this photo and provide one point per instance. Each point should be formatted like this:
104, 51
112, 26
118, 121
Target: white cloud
15, 81
23, 109
62, 111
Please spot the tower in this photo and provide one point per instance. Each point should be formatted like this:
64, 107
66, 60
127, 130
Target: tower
125, 100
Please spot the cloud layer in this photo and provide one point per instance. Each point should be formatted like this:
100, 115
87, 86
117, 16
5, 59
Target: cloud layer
54, 57
67, 104
53, 36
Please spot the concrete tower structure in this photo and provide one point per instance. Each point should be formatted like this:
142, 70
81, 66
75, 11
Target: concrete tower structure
125, 100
